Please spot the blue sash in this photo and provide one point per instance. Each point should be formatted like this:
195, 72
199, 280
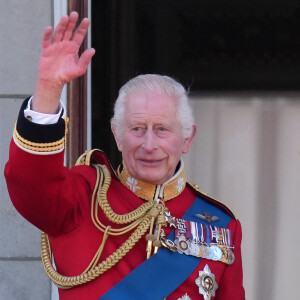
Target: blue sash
160, 275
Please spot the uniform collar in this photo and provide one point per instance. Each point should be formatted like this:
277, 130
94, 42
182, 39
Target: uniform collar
148, 191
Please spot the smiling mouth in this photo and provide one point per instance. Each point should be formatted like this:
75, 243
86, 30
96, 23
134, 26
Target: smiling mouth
151, 162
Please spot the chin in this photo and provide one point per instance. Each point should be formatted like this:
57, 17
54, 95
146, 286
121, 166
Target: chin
152, 179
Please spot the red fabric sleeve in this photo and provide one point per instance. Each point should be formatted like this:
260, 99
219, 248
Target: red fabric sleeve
43, 192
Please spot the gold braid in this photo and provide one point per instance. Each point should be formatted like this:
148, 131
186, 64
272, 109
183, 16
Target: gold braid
139, 219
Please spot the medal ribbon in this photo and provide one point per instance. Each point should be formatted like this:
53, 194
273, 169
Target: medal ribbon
148, 281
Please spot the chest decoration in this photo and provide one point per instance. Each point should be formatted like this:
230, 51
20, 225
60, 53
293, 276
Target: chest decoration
206, 283
185, 297
201, 240
207, 217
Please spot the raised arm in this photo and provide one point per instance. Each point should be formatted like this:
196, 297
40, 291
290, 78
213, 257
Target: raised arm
60, 62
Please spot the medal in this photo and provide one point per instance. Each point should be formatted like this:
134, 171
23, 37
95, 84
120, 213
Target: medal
169, 244
201, 240
183, 245
208, 253
206, 283
227, 256
231, 257
217, 253
194, 249
201, 251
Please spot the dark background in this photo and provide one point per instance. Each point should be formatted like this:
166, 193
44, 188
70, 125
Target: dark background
208, 46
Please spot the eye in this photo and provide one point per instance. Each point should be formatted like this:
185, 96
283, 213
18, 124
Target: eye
138, 130
160, 128
161, 131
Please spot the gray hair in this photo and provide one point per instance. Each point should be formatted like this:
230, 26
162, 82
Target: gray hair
155, 83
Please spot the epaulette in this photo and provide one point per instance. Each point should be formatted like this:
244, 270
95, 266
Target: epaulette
85, 158
212, 200
95, 156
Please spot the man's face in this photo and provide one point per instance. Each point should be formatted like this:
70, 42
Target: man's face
152, 142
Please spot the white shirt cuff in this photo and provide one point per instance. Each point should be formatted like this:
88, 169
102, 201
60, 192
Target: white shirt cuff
40, 118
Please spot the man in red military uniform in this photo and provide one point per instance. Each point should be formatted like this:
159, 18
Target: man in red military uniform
140, 232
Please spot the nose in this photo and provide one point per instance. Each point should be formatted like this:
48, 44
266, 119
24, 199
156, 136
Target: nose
150, 141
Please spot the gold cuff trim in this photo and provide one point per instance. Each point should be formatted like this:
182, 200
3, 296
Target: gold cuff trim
38, 147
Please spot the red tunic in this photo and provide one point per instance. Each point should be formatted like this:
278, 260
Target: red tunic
58, 201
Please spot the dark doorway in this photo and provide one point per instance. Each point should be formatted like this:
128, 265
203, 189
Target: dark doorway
206, 45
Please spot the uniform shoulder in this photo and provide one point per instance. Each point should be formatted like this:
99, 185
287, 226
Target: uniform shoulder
211, 200
93, 157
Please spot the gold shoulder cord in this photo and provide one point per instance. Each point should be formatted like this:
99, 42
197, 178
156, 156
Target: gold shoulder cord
139, 219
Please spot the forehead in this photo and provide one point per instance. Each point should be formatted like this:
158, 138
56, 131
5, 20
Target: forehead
151, 104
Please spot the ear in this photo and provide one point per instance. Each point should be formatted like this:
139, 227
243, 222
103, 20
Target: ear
117, 139
188, 141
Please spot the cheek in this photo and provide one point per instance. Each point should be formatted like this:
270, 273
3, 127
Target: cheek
174, 149
129, 146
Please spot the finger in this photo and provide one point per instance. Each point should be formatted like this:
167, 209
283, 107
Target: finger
81, 31
60, 29
85, 59
46, 41
71, 25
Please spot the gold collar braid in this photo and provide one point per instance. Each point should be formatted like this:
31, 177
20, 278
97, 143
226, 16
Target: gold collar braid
142, 219
147, 191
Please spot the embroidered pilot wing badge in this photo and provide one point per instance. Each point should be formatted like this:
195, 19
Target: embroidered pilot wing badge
207, 217
207, 283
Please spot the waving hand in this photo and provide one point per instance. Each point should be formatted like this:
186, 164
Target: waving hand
60, 62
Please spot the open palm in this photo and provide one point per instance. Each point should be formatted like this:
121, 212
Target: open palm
60, 61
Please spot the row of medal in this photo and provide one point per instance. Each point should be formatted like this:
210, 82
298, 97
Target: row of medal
201, 240
210, 251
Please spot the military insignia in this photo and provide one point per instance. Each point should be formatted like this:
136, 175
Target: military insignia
207, 283
133, 184
181, 226
200, 240
185, 297
183, 246
180, 184
169, 219
207, 217
227, 256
